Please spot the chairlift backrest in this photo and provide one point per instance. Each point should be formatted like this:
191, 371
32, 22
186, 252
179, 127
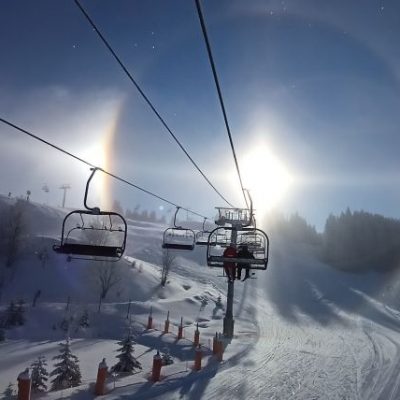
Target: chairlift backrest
178, 238
83, 236
87, 238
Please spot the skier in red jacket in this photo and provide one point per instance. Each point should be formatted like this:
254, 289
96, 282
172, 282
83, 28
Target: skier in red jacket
230, 267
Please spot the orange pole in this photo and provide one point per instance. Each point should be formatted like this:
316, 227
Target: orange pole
150, 319
196, 336
166, 325
157, 364
24, 385
102, 372
180, 329
220, 350
197, 359
215, 341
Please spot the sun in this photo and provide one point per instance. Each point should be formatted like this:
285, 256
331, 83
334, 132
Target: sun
265, 176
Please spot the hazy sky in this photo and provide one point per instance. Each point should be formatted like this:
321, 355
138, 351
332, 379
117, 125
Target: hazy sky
313, 85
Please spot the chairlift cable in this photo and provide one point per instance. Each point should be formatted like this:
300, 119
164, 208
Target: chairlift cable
93, 166
147, 100
220, 97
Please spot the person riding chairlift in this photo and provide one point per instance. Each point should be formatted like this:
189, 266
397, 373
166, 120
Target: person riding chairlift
244, 253
229, 267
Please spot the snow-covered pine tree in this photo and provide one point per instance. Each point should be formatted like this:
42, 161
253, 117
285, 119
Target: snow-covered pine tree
67, 373
127, 362
84, 320
9, 393
166, 357
39, 374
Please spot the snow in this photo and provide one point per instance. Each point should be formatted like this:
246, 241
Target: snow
302, 329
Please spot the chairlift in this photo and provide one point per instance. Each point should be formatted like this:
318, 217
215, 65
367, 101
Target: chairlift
178, 238
81, 238
258, 245
237, 217
202, 236
251, 240
220, 239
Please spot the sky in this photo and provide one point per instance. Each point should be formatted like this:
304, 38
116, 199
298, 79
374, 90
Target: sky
311, 88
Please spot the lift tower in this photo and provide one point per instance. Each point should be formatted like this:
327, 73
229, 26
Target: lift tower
65, 187
237, 218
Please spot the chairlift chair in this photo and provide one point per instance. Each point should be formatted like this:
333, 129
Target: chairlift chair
237, 217
178, 238
112, 231
202, 236
252, 240
260, 252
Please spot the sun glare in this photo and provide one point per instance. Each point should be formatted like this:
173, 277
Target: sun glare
265, 176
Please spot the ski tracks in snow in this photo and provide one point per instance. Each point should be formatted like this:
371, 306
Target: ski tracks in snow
381, 378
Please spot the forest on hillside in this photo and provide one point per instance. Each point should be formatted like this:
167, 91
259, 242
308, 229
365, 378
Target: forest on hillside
355, 241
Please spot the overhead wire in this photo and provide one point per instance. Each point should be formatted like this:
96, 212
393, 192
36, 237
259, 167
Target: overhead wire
36, 137
146, 99
220, 97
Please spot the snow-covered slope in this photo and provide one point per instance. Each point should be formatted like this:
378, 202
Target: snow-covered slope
303, 330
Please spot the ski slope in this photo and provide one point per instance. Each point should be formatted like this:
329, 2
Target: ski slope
346, 354
303, 330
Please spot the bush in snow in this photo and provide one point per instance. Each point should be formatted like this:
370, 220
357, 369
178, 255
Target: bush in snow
39, 374
9, 393
218, 303
127, 362
67, 372
168, 261
166, 357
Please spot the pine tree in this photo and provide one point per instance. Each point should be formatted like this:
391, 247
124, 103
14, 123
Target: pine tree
11, 315
20, 313
84, 320
39, 374
9, 393
67, 373
166, 357
127, 362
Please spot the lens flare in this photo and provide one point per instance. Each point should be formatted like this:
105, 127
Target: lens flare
265, 176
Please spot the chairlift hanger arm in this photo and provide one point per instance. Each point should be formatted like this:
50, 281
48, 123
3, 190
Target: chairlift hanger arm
95, 210
176, 213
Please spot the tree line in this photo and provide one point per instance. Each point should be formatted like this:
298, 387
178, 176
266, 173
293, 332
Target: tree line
353, 241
